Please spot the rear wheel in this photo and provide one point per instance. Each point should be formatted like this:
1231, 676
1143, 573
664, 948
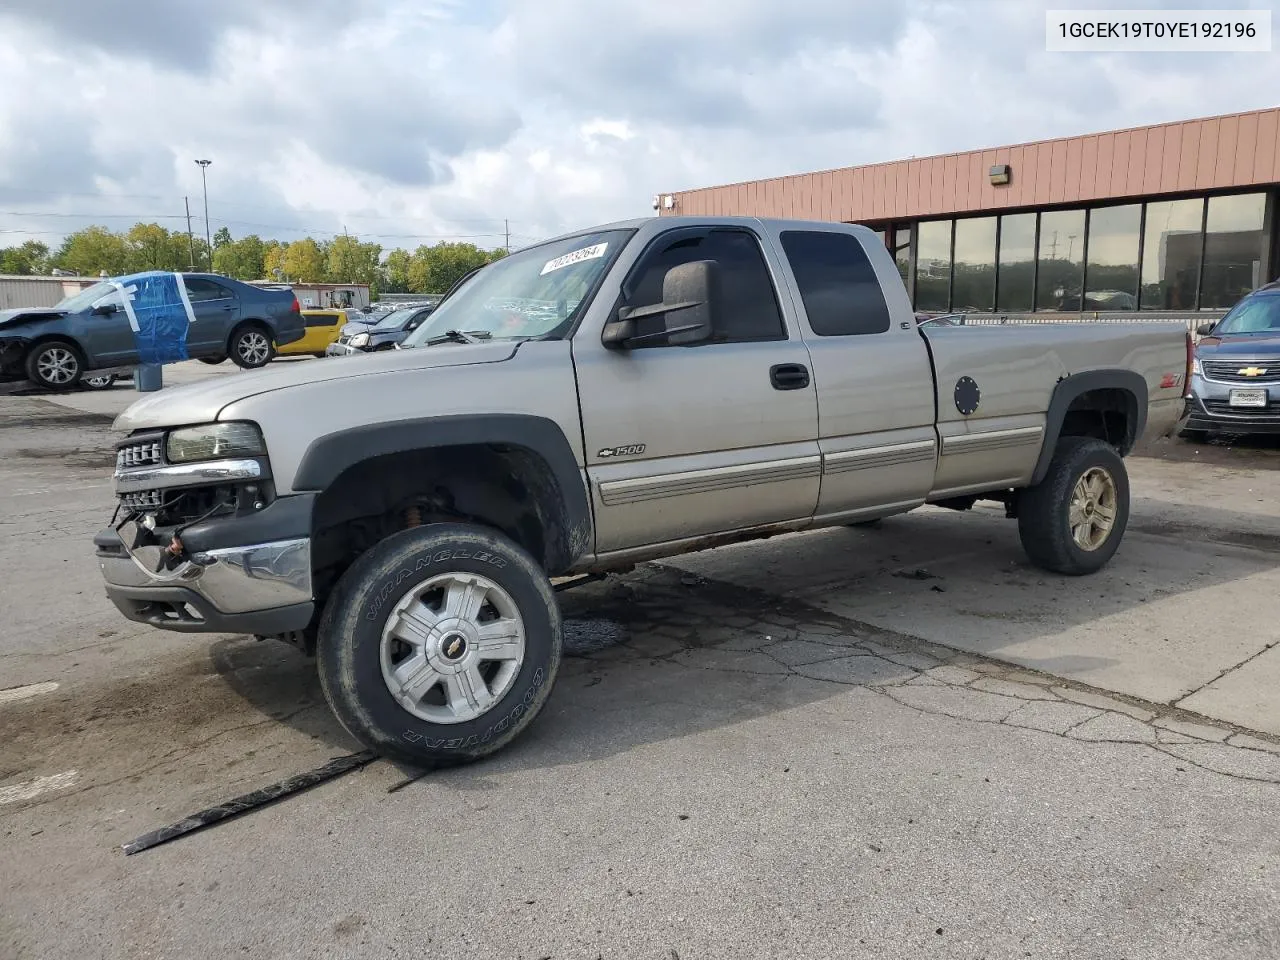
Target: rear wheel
220, 358
55, 365
251, 347
100, 382
440, 644
1072, 522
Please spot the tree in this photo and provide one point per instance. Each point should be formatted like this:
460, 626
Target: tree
221, 238
273, 260
243, 259
395, 272
152, 247
436, 268
93, 250
304, 260
31, 257
351, 261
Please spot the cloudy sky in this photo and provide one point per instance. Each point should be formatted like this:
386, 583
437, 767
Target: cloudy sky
409, 121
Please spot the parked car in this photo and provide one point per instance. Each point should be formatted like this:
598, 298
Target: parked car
626, 393
1235, 379
323, 328
55, 347
379, 334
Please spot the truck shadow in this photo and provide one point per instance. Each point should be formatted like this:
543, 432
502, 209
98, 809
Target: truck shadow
665, 652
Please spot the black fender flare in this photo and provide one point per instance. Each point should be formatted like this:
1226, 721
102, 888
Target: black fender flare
327, 457
1068, 389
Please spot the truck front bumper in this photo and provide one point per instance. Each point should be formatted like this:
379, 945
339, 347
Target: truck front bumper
238, 575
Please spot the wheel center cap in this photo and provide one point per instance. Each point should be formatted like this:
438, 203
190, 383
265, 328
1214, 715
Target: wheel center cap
453, 647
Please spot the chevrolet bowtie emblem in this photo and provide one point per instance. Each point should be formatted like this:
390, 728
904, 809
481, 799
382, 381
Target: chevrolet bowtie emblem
1251, 371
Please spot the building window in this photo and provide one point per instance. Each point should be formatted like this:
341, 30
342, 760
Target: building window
902, 251
1060, 264
1232, 249
974, 279
1171, 254
1111, 275
1017, 262
933, 265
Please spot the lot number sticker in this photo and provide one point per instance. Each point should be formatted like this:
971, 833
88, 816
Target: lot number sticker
586, 253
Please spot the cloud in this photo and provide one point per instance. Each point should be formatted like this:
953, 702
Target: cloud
408, 121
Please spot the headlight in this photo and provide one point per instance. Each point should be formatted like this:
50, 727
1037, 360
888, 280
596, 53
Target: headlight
214, 441
360, 340
1195, 367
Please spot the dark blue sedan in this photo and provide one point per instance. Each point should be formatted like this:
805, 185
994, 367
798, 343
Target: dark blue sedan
1235, 381
380, 334
56, 347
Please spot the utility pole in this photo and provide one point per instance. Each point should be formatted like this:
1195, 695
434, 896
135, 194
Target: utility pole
1053, 247
506, 233
208, 239
191, 240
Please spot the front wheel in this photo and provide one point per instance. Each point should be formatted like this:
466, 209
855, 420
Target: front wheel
251, 348
440, 644
1072, 521
99, 383
54, 365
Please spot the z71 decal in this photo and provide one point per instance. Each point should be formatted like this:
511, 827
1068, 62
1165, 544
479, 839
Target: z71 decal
632, 450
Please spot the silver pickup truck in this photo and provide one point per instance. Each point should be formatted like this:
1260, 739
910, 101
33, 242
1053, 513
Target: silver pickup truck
620, 394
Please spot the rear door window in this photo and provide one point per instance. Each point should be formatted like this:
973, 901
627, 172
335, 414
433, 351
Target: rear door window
201, 289
837, 283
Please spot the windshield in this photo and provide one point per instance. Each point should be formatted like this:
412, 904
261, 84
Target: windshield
393, 320
85, 298
532, 293
1257, 314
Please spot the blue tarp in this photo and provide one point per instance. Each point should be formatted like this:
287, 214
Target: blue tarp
159, 313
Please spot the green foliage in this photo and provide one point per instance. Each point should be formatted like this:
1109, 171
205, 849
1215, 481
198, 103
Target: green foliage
26, 259
304, 260
395, 272
243, 259
344, 259
436, 268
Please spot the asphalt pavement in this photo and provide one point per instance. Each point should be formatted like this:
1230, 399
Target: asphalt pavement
899, 741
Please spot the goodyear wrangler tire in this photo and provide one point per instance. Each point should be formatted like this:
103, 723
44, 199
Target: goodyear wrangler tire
440, 645
1073, 520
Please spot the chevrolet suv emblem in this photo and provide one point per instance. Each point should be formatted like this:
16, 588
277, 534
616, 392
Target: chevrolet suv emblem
1251, 371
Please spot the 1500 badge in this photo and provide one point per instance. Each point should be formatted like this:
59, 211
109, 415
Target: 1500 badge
631, 450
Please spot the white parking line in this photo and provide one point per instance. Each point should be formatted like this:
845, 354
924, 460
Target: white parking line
27, 692
30, 789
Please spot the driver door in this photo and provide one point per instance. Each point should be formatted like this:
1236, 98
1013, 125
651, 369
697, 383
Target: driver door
710, 437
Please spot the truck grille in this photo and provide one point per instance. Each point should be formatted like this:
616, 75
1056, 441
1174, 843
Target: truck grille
1229, 371
144, 454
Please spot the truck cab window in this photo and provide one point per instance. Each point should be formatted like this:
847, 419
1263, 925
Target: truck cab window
749, 305
837, 283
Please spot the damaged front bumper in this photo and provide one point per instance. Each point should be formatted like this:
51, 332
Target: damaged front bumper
206, 547
257, 588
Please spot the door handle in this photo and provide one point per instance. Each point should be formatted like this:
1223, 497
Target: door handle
789, 376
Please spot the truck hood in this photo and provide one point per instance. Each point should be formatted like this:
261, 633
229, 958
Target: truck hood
23, 314
1240, 345
201, 402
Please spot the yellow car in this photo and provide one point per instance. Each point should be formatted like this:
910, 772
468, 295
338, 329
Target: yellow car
322, 329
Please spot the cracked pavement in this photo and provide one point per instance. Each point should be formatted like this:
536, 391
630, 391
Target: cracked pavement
738, 765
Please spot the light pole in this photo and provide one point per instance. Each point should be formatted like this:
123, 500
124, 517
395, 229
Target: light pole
204, 165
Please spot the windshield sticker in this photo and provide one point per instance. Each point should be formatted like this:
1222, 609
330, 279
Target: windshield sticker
586, 253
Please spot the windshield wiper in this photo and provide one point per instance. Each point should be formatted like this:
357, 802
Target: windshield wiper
459, 336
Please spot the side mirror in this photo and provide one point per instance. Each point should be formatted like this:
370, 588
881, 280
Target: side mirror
1205, 329
690, 302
